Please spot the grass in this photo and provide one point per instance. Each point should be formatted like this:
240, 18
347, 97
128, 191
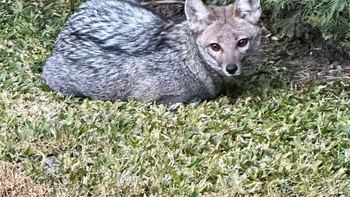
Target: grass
269, 138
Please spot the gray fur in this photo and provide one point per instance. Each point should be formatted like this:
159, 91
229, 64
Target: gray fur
118, 50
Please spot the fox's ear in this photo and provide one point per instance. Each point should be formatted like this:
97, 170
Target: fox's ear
197, 14
250, 10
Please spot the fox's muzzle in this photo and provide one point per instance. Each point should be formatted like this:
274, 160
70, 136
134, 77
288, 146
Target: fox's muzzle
232, 70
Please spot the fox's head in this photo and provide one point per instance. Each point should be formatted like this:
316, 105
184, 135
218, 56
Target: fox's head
225, 35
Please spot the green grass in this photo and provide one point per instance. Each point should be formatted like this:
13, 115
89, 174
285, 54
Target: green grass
271, 138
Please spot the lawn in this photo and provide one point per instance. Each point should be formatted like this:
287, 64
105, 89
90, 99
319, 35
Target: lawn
269, 136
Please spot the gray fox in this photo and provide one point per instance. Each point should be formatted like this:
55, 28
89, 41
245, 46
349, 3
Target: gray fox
119, 50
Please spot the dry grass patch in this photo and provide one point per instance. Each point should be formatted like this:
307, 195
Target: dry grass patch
13, 182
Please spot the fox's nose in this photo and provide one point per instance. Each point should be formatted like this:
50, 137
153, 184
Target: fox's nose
231, 69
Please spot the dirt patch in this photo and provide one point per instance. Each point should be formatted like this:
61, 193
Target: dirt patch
317, 60
13, 182
170, 9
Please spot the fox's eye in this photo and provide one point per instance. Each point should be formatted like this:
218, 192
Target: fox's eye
215, 47
242, 42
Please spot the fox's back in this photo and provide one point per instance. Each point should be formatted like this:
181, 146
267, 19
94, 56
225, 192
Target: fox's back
114, 25
110, 48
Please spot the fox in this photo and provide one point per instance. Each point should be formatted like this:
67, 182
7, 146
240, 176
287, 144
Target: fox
117, 50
